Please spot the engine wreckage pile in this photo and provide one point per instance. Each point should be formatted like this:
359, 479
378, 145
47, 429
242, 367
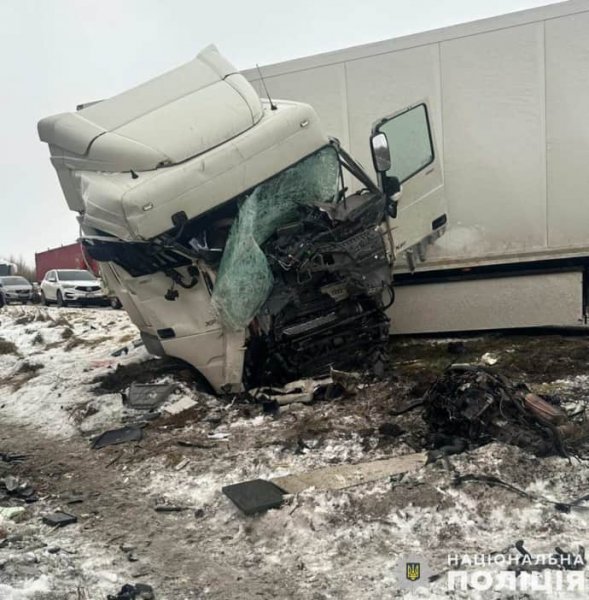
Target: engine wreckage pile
475, 404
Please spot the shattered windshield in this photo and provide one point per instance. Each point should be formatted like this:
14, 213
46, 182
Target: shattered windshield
244, 278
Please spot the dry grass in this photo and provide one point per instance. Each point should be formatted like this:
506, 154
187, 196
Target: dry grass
59, 321
7, 347
24, 317
25, 372
67, 333
74, 342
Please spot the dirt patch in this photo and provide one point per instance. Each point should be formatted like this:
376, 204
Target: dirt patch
74, 341
67, 333
25, 317
7, 347
60, 321
528, 357
25, 372
144, 372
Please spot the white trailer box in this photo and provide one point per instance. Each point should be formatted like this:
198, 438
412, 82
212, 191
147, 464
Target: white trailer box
508, 99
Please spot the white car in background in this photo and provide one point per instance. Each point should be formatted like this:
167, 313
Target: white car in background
72, 286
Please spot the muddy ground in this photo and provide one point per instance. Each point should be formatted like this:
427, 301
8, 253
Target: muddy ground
60, 386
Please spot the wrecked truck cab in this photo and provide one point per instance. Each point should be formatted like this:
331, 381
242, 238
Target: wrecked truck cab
282, 282
223, 225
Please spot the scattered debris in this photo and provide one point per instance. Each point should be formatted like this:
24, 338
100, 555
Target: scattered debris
168, 508
344, 476
180, 406
12, 458
219, 435
456, 348
489, 359
391, 430
13, 513
19, 489
339, 383
255, 496
495, 481
117, 436
148, 396
125, 349
59, 519
139, 591
195, 444
302, 390
479, 405
349, 382
181, 464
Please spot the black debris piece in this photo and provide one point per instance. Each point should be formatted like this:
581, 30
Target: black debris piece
139, 591
168, 508
12, 458
17, 488
390, 430
445, 445
120, 352
490, 480
255, 496
117, 436
456, 348
195, 444
59, 519
479, 405
147, 396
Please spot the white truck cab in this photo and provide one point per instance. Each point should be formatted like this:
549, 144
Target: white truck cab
225, 227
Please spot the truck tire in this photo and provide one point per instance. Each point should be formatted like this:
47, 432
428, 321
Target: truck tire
115, 303
61, 303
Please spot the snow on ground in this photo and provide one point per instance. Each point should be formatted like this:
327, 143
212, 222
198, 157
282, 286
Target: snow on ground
59, 353
320, 545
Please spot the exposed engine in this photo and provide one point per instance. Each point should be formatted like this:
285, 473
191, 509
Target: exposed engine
326, 307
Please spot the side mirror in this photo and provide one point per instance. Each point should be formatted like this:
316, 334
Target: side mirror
380, 152
390, 185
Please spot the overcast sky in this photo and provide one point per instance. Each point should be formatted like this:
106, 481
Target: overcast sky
55, 54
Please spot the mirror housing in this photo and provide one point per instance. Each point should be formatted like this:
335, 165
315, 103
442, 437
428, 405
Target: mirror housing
381, 155
390, 185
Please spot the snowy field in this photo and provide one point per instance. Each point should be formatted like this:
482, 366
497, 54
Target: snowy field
60, 386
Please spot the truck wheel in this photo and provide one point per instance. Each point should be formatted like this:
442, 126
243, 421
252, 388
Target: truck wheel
115, 303
60, 301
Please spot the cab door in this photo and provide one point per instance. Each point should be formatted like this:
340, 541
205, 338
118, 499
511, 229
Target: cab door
410, 174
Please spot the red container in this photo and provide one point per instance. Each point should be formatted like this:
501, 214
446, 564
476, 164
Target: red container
64, 257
